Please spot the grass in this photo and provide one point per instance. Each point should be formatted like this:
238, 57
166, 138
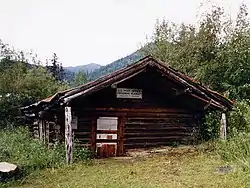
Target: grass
178, 168
18, 147
235, 149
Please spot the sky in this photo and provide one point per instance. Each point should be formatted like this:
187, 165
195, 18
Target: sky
92, 31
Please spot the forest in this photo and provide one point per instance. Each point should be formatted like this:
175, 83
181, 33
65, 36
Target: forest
215, 51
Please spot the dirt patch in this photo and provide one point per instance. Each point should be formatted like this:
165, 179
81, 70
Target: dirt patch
166, 150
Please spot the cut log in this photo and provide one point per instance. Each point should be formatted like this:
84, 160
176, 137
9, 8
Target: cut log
68, 135
223, 128
7, 170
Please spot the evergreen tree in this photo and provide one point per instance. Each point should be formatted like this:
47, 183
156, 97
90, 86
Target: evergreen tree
56, 68
79, 78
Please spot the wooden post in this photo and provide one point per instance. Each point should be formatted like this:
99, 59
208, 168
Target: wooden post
47, 133
223, 129
68, 135
93, 134
44, 130
40, 125
121, 123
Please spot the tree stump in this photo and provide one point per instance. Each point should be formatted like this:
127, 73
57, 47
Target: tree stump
7, 170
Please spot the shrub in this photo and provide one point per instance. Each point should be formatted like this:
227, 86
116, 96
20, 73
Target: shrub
81, 153
211, 125
239, 118
19, 148
236, 149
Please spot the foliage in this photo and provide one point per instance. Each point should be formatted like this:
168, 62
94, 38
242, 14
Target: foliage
118, 64
215, 51
239, 118
56, 68
22, 83
178, 168
81, 153
236, 149
18, 147
211, 125
79, 78
238, 121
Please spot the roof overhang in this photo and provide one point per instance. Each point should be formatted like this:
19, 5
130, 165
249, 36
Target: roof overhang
199, 91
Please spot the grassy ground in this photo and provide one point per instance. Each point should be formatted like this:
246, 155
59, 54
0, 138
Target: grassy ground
178, 168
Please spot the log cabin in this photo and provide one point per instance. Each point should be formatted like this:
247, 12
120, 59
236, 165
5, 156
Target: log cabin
146, 104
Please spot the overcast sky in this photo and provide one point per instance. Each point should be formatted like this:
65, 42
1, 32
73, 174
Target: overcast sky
91, 31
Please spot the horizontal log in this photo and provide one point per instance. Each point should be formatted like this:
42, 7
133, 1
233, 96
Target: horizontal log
159, 120
81, 128
157, 129
154, 110
106, 140
82, 120
151, 134
144, 139
82, 133
148, 116
142, 114
150, 144
107, 131
158, 125
83, 139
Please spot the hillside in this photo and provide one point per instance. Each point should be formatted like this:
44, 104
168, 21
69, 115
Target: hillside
95, 71
87, 68
120, 63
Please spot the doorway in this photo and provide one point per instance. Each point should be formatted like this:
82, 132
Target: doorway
106, 136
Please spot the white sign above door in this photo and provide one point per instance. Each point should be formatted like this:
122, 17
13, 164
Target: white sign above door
129, 93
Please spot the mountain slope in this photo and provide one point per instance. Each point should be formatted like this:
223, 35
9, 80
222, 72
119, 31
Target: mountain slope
120, 63
69, 72
87, 68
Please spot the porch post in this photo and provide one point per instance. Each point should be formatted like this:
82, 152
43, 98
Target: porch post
68, 135
223, 128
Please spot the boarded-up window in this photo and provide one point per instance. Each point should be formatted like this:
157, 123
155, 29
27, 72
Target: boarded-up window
74, 122
107, 123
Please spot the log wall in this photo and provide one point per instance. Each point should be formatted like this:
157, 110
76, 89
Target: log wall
83, 131
150, 130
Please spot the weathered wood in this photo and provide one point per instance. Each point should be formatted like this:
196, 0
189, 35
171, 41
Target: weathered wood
143, 139
121, 124
40, 124
47, 132
223, 128
152, 134
76, 133
154, 110
154, 131
107, 131
93, 134
88, 139
68, 135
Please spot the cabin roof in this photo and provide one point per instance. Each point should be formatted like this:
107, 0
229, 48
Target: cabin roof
198, 91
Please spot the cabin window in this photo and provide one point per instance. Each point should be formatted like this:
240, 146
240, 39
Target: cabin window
107, 123
74, 122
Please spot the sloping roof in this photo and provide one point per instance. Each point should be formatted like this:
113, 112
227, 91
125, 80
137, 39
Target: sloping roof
197, 90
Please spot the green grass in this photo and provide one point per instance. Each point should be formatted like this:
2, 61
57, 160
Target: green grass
18, 147
178, 168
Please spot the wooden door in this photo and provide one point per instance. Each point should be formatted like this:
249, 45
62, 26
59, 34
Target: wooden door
106, 136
